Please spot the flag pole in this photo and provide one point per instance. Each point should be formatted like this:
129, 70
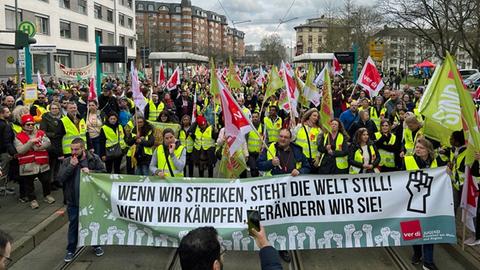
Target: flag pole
464, 228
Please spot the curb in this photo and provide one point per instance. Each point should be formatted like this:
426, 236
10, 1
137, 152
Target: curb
38, 234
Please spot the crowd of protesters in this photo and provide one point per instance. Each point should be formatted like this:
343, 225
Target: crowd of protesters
368, 134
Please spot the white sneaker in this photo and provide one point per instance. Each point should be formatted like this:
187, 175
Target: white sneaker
474, 243
49, 199
469, 240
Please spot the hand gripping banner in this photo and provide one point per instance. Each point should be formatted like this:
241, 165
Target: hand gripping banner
303, 212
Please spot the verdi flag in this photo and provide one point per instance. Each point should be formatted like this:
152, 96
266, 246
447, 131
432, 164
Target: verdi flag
310, 91
231, 166
232, 77
326, 109
300, 85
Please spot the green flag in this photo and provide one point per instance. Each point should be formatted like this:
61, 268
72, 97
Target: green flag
79, 78
310, 91
274, 83
232, 166
470, 117
441, 105
214, 89
232, 77
326, 108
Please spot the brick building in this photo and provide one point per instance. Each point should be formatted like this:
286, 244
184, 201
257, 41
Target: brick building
181, 27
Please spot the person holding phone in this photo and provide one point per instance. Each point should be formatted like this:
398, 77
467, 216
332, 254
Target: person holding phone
168, 160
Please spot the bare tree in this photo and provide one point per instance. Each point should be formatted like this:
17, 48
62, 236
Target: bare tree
272, 50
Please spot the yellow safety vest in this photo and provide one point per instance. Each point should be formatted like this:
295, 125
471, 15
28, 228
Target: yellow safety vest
272, 128
375, 116
254, 142
411, 164
203, 140
185, 140
114, 137
341, 162
304, 140
16, 128
146, 150
387, 159
272, 152
71, 132
410, 141
458, 176
154, 111
162, 162
358, 157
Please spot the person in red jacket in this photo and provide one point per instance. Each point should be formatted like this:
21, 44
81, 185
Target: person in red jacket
31, 145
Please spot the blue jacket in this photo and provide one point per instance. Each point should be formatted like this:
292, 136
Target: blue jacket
347, 118
266, 165
269, 259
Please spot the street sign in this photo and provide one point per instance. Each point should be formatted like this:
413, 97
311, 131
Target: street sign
112, 54
27, 27
10, 60
376, 50
43, 48
344, 57
21, 55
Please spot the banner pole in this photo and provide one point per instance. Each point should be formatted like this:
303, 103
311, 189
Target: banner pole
464, 229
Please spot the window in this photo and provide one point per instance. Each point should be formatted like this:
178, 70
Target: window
65, 30
42, 25
83, 32
10, 18
130, 23
178, 9
82, 6
110, 38
140, 7
110, 15
98, 33
97, 10
150, 8
130, 43
122, 41
121, 19
65, 4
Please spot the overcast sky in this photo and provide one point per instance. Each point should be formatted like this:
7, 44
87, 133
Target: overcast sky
266, 14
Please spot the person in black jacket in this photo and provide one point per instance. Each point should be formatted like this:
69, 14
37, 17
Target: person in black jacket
69, 175
52, 125
7, 149
184, 105
363, 121
200, 249
107, 102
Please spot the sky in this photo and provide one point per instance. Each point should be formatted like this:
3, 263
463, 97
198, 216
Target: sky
265, 15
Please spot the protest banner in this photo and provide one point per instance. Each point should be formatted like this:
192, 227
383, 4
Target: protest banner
86, 72
30, 93
303, 212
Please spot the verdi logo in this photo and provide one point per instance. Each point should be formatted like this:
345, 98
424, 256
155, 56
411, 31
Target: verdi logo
411, 230
448, 112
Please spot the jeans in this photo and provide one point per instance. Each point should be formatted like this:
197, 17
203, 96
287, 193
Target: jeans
142, 170
425, 250
72, 228
96, 145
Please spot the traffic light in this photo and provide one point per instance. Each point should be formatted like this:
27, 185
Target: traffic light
22, 39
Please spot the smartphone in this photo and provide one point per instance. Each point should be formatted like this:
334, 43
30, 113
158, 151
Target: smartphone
253, 220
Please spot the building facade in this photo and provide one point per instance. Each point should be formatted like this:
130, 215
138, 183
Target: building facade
181, 27
403, 49
311, 36
72, 26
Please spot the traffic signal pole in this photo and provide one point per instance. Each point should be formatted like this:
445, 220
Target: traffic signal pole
99, 67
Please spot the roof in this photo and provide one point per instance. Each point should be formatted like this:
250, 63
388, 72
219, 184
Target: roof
313, 57
177, 57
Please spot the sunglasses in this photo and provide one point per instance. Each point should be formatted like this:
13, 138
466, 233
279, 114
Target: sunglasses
29, 125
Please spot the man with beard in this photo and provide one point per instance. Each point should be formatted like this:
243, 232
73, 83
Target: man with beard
7, 149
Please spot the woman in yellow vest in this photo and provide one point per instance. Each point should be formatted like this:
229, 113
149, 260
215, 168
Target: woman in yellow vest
388, 147
186, 140
363, 156
168, 160
204, 137
112, 137
333, 148
411, 132
423, 157
143, 141
307, 135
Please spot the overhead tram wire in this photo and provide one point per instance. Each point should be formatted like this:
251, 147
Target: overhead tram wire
226, 13
284, 16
